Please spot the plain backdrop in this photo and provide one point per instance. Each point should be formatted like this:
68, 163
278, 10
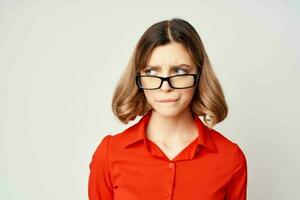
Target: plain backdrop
60, 62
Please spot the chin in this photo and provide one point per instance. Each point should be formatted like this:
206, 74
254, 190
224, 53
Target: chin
168, 111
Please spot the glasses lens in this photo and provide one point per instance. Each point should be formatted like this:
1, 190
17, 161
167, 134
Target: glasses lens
182, 81
149, 82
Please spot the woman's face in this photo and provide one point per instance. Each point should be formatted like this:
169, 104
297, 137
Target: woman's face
164, 58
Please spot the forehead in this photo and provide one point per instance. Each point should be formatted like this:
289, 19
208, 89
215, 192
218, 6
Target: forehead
169, 55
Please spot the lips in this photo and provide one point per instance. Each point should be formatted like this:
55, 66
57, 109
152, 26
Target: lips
167, 100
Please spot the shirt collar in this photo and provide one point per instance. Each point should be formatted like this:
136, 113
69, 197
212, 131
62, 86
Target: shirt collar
137, 132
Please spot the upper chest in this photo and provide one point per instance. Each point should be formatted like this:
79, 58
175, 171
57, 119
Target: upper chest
172, 149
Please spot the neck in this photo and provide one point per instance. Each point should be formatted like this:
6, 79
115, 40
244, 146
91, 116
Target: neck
176, 128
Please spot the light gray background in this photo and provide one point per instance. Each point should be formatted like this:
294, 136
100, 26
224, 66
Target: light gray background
60, 62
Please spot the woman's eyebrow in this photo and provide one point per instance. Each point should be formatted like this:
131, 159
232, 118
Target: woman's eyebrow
172, 67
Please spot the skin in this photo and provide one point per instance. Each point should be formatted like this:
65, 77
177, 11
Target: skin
171, 125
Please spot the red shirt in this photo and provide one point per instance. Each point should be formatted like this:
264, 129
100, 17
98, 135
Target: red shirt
129, 166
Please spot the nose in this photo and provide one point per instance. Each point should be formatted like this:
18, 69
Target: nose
165, 86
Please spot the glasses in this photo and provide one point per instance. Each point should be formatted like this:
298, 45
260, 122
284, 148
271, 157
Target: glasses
179, 81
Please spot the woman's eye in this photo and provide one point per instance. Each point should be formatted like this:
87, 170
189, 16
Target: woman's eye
175, 70
180, 69
147, 72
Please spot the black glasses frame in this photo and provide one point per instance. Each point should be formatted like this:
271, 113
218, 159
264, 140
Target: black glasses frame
162, 79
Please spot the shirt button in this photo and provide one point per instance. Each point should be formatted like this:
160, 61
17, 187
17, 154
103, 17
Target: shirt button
171, 165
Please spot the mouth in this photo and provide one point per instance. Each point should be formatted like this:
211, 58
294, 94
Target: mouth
167, 100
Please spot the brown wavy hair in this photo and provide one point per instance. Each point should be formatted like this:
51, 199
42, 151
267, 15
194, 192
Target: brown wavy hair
208, 101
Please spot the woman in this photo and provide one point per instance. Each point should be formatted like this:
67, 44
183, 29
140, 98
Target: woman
169, 153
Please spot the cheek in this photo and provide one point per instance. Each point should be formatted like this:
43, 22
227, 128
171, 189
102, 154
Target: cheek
149, 95
187, 95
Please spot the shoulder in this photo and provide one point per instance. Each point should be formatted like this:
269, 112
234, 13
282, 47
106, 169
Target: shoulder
117, 139
226, 147
220, 140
